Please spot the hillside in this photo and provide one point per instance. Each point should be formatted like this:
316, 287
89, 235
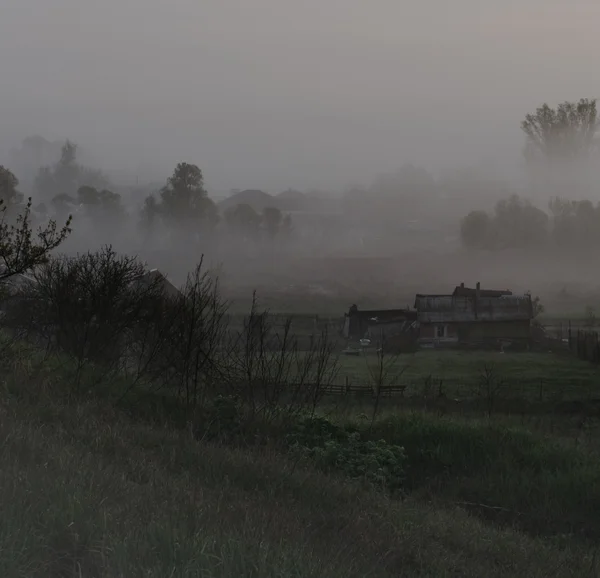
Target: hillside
89, 490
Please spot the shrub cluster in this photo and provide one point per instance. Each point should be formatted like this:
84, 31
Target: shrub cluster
336, 449
108, 322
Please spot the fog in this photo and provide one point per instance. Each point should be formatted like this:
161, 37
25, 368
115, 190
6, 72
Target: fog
338, 96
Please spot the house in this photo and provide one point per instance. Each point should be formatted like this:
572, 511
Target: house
375, 323
474, 317
155, 276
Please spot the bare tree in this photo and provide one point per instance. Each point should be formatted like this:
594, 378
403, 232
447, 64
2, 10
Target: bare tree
565, 132
20, 251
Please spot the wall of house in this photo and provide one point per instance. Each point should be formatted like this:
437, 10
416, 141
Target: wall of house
482, 331
429, 332
516, 330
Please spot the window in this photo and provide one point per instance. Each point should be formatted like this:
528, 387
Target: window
440, 331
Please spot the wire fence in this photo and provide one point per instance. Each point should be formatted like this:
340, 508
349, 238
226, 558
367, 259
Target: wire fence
469, 387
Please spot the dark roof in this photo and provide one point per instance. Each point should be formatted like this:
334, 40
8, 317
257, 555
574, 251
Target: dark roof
450, 308
385, 314
257, 199
155, 275
462, 291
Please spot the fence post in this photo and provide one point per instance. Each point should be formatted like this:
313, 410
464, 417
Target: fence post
347, 386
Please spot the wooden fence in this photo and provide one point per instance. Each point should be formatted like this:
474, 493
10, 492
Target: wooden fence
587, 346
468, 388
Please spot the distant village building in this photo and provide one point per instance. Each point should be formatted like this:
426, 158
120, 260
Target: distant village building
155, 276
389, 324
474, 317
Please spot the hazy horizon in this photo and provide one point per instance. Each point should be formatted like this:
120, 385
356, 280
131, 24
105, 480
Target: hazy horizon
266, 95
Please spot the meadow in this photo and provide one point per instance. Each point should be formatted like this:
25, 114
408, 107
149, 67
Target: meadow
133, 446
462, 373
88, 491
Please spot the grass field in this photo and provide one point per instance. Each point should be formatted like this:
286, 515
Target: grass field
90, 489
462, 372
86, 492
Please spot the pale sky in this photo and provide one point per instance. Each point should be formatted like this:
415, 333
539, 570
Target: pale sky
273, 93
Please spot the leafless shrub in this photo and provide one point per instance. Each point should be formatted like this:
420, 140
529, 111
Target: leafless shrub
383, 373
491, 386
84, 308
182, 344
272, 374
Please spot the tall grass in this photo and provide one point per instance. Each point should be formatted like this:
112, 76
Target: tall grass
86, 492
506, 473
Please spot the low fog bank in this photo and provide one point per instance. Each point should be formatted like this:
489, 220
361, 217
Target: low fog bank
374, 243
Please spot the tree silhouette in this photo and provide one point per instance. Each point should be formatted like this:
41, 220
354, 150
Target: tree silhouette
243, 219
66, 176
475, 229
8, 188
272, 219
20, 251
565, 132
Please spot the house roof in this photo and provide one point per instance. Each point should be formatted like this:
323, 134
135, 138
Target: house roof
462, 291
384, 314
450, 308
156, 275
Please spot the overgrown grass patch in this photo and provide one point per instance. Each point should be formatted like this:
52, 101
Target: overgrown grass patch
542, 485
94, 494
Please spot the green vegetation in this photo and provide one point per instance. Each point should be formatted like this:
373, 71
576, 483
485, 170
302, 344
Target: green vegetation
88, 491
462, 373
150, 434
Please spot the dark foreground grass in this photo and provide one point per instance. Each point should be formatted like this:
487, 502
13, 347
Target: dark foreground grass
85, 492
506, 474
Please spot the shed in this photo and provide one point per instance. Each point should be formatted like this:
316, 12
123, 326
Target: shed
375, 322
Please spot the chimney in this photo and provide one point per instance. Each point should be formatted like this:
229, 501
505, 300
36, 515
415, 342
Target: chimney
462, 285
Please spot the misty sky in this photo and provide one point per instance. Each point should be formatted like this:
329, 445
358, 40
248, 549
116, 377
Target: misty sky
274, 93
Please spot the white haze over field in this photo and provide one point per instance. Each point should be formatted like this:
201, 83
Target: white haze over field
273, 94
311, 95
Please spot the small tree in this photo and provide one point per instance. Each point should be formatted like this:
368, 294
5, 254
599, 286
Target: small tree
19, 250
243, 219
67, 175
537, 308
100, 204
475, 229
184, 196
8, 188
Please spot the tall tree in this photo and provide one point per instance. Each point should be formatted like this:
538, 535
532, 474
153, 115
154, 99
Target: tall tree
563, 133
184, 199
66, 176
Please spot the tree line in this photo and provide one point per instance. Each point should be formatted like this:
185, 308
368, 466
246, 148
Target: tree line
563, 139
517, 223
182, 204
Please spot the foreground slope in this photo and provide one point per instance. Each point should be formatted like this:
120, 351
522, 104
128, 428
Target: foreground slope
85, 491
